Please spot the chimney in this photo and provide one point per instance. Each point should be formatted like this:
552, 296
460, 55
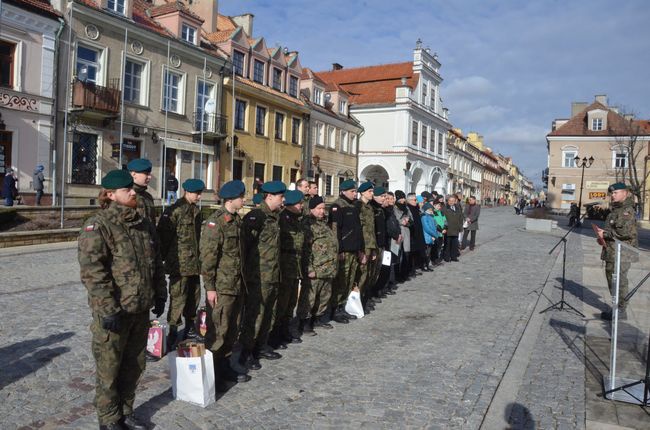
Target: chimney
246, 22
577, 107
602, 98
208, 10
629, 116
336, 66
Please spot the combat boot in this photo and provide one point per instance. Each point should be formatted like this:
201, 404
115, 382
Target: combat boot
291, 334
249, 362
229, 374
306, 327
267, 353
131, 422
111, 426
320, 322
276, 340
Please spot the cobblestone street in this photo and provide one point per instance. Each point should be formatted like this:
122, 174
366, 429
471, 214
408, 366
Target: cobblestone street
432, 356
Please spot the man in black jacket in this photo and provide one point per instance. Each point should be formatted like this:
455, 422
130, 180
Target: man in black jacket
454, 217
418, 245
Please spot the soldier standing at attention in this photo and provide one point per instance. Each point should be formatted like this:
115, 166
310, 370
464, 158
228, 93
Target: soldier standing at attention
179, 231
619, 225
121, 268
221, 267
292, 239
260, 236
368, 254
321, 266
375, 289
344, 218
140, 169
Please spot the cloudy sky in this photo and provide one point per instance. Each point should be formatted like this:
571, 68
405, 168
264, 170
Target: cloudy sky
510, 67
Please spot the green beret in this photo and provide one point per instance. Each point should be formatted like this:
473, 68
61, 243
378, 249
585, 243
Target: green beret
347, 185
274, 187
293, 197
257, 198
116, 179
232, 189
139, 165
193, 185
380, 191
617, 186
365, 186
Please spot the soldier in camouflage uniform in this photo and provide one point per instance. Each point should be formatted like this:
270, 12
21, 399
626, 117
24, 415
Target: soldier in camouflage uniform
179, 230
121, 268
221, 267
291, 245
619, 225
321, 266
141, 173
368, 256
261, 255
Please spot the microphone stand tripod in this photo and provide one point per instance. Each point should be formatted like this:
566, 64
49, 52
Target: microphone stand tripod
562, 303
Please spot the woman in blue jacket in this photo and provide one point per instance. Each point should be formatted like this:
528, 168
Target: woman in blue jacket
430, 231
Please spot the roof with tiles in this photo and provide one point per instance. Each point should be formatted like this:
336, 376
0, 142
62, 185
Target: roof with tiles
617, 125
41, 7
225, 23
219, 36
171, 7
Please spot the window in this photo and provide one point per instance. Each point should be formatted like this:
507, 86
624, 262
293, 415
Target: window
7, 53
84, 158
201, 168
597, 124
424, 94
293, 175
277, 173
116, 6
343, 107
260, 120
188, 34
240, 115
295, 131
423, 137
87, 64
620, 158
293, 86
353, 144
414, 133
568, 158
238, 62
432, 141
204, 92
133, 82
319, 131
259, 173
433, 98
277, 79
441, 143
130, 151
344, 141
258, 71
318, 96
279, 126
331, 140
172, 92
328, 185
568, 191
237, 169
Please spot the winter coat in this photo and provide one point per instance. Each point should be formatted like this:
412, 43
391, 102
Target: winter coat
429, 228
417, 234
454, 220
37, 180
441, 221
471, 213
401, 213
9, 187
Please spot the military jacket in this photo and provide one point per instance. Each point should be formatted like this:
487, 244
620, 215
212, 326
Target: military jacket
179, 230
221, 256
261, 246
305, 205
146, 206
292, 239
620, 224
321, 248
120, 262
367, 218
344, 218
380, 224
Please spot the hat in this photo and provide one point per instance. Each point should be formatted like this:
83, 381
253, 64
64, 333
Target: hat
379, 191
40, 167
293, 197
274, 187
257, 198
365, 186
193, 185
438, 202
399, 194
617, 186
348, 184
116, 179
139, 165
427, 206
232, 189
315, 201
427, 195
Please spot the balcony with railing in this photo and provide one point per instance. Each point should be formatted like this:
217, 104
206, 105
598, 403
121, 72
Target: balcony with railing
89, 96
214, 124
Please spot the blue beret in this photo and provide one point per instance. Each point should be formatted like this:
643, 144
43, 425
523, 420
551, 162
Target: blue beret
274, 187
193, 185
347, 185
257, 198
232, 189
140, 165
617, 186
293, 197
379, 191
365, 186
116, 179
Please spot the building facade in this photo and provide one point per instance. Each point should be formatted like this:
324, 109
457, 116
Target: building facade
465, 171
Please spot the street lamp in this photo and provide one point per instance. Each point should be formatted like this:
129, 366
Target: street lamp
582, 163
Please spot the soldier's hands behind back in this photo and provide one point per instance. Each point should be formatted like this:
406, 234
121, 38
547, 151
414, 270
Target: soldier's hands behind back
159, 307
112, 322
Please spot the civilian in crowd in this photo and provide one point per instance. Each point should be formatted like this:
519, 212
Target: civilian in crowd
454, 227
418, 246
441, 226
403, 214
471, 213
430, 233
37, 182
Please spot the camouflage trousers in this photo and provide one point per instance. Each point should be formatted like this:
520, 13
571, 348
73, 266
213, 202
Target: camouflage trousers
365, 273
259, 312
223, 324
119, 361
610, 271
287, 300
314, 298
345, 279
184, 299
375, 269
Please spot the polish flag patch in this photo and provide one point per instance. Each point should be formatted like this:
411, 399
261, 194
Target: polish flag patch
90, 227
211, 224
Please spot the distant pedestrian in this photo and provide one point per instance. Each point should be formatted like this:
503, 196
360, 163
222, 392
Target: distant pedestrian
471, 214
454, 227
522, 206
171, 187
37, 182
9, 190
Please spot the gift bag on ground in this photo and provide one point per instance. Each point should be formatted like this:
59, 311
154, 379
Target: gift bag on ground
157, 340
354, 306
201, 325
193, 378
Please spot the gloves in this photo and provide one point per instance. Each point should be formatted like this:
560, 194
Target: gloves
112, 322
159, 307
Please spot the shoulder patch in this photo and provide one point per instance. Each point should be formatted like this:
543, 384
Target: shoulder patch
334, 208
227, 217
90, 227
212, 224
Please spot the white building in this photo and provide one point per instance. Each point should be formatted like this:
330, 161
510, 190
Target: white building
399, 106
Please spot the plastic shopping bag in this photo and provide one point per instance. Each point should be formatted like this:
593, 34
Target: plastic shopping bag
354, 306
193, 378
